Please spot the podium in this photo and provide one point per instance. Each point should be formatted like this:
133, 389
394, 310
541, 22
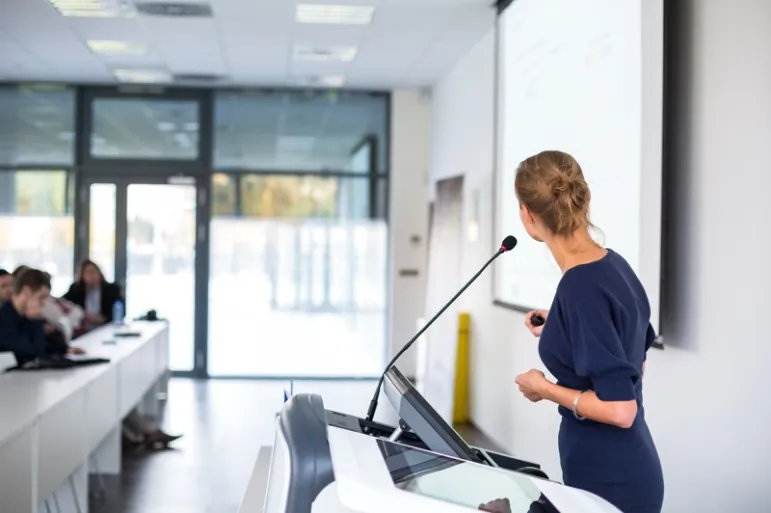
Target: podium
301, 464
301, 476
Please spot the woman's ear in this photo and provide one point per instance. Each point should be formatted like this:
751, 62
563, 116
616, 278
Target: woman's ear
529, 217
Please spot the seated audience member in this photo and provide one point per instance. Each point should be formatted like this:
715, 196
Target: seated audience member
6, 285
94, 294
17, 272
55, 325
21, 324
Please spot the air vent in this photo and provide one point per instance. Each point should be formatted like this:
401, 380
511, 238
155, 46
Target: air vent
174, 10
198, 78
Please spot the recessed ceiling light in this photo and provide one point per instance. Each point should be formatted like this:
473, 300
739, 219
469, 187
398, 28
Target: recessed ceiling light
334, 14
334, 53
105, 47
332, 81
142, 76
315, 81
94, 8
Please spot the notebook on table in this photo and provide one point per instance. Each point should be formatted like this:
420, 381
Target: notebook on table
55, 362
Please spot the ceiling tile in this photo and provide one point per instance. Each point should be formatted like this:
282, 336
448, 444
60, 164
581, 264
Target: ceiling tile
410, 42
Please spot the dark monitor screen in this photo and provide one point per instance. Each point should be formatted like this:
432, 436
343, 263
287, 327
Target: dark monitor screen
424, 420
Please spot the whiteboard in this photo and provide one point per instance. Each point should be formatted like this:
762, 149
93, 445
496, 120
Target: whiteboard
585, 77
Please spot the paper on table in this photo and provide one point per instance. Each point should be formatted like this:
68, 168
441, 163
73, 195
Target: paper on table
77, 357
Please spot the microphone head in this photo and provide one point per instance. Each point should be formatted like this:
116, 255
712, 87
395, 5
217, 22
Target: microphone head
508, 243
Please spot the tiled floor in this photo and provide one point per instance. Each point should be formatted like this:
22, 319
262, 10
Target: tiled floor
225, 423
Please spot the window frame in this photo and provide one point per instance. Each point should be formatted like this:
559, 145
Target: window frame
84, 169
69, 206
91, 165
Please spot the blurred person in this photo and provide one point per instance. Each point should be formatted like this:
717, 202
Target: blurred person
20, 269
21, 317
62, 320
6, 285
58, 327
96, 296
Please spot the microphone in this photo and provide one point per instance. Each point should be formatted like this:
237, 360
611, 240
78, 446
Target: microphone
507, 245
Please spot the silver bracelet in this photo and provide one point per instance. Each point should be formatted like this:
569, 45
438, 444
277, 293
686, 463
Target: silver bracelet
575, 405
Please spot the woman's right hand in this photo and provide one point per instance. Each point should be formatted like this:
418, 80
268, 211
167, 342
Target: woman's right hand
496, 506
535, 330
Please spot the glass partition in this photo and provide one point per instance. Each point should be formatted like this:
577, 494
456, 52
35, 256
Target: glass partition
300, 131
142, 128
37, 126
297, 297
36, 224
298, 239
297, 282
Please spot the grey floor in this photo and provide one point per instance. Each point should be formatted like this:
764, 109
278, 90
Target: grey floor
224, 424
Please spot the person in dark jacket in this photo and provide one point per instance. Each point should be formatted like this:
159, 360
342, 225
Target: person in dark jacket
94, 294
21, 324
55, 339
6, 285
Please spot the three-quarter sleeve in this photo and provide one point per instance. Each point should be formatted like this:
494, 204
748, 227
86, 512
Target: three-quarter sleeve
596, 345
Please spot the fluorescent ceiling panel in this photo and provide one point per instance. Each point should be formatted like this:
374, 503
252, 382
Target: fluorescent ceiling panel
93, 8
335, 53
332, 81
334, 14
105, 47
142, 76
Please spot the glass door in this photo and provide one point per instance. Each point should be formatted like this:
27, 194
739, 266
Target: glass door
144, 237
102, 224
160, 262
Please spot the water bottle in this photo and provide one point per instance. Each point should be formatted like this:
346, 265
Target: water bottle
117, 313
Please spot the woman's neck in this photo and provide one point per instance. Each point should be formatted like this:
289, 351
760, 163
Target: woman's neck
574, 250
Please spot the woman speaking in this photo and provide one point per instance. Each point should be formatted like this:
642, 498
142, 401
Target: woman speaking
594, 342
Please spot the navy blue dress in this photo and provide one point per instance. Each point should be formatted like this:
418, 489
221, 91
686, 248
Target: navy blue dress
596, 337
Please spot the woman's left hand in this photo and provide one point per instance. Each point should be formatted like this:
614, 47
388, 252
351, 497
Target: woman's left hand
531, 383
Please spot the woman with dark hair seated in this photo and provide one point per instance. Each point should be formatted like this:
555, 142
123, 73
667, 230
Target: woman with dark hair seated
97, 297
94, 294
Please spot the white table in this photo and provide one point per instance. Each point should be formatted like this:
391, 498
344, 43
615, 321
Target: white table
57, 426
254, 498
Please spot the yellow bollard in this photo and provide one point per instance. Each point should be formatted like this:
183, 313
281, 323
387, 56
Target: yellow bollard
460, 399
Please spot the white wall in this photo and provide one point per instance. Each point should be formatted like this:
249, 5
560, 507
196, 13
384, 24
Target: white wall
463, 143
408, 215
707, 399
